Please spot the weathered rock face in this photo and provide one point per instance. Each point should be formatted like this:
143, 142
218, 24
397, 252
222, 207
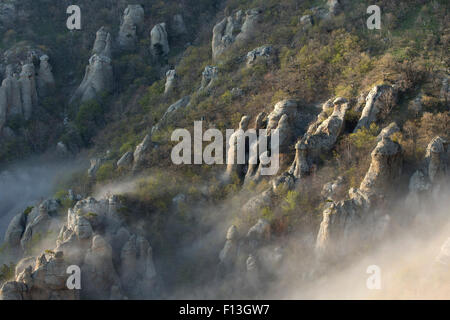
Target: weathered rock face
159, 42
425, 181
18, 95
380, 99
45, 79
350, 223
114, 262
171, 78
248, 259
263, 53
132, 23
43, 280
321, 137
126, 160
388, 131
98, 77
239, 28
209, 75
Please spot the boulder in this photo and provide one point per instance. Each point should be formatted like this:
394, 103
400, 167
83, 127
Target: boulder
8, 14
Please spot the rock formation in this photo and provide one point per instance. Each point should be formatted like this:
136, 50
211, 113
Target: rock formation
19, 95
209, 75
380, 99
321, 137
159, 45
132, 23
98, 77
259, 54
239, 28
114, 262
356, 221
30, 227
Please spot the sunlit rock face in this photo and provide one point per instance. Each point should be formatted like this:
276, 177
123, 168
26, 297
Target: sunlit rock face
350, 223
320, 137
380, 99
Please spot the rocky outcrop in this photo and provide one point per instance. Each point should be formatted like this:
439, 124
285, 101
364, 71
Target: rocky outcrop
114, 262
380, 99
18, 95
209, 75
126, 160
237, 28
356, 221
28, 228
140, 153
437, 159
263, 53
98, 77
234, 166
321, 137
159, 43
171, 78
132, 23
44, 280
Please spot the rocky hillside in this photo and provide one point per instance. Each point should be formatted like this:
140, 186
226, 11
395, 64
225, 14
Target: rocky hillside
361, 122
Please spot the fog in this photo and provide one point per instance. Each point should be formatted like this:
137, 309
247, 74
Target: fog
28, 182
